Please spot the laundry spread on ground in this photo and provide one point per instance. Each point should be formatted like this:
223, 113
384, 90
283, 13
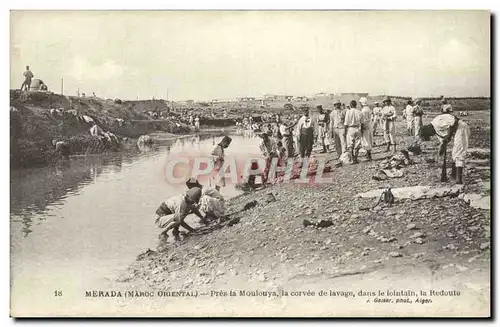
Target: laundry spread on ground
416, 192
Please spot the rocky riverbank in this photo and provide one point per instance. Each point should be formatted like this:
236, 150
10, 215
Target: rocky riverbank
423, 243
38, 118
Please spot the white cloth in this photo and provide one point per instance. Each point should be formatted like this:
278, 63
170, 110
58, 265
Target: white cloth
87, 119
212, 202
367, 137
96, 131
366, 116
442, 124
283, 130
460, 144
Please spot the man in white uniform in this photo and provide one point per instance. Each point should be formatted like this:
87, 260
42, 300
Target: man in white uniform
446, 126
353, 125
377, 116
337, 128
388, 121
409, 118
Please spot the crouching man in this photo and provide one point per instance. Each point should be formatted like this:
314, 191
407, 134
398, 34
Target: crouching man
171, 213
446, 126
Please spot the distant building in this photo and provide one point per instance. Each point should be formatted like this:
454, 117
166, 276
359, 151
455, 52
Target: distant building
354, 94
301, 98
245, 99
275, 97
216, 101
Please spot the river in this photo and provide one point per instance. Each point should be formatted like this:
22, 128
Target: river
76, 225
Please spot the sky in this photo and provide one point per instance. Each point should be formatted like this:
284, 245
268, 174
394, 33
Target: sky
225, 54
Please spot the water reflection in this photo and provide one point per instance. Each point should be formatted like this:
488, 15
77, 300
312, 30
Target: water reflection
33, 191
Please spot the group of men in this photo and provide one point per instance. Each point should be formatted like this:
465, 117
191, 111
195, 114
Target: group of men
349, 128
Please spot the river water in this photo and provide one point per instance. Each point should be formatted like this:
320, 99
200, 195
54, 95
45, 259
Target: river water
76, 225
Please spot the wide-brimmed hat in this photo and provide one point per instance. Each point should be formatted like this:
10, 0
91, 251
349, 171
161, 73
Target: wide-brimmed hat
194, 194
363, 100
417, 100
376, 102
319, 106
386, 99
336, 102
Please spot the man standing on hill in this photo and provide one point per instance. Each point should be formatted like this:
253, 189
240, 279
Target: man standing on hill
28, 75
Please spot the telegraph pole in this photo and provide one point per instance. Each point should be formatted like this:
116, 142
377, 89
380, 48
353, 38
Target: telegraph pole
62, 86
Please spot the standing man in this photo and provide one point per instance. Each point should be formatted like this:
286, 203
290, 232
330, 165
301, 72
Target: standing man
376, 118
337, 128
322, 125
446, 126
353, 125
286, 129
366, 128
418, 112
305, 132
28, 75
409, 118
388, 120
218, 157
269, 148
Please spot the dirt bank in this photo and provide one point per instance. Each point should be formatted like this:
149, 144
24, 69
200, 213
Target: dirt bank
436, 243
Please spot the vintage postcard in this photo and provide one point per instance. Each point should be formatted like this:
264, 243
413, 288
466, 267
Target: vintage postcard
250, 163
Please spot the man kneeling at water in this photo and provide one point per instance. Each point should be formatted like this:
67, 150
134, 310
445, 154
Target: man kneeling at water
171, 213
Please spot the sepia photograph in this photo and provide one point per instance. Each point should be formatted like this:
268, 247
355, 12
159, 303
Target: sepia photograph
250, 163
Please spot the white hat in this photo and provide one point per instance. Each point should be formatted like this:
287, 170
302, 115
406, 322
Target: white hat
363, 100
